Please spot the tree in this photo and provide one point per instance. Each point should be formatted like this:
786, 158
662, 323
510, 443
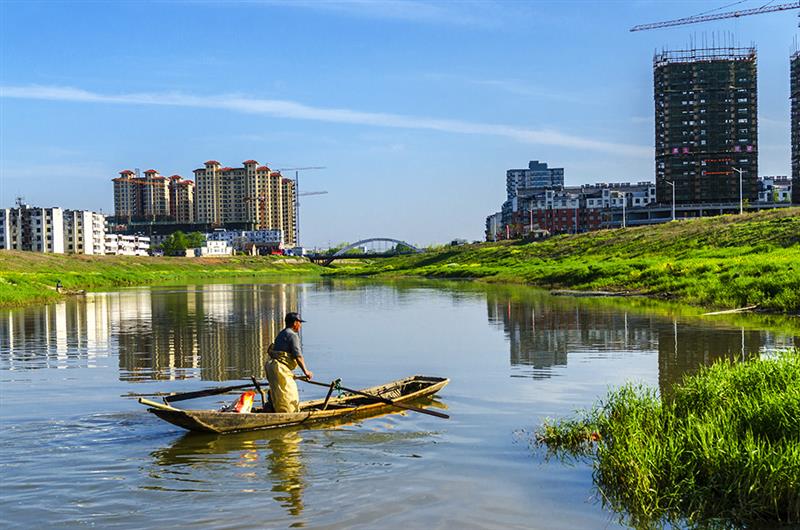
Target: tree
195, 240
176, 244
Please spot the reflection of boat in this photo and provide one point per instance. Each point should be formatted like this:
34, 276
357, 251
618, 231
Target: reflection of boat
347, 406
284, 458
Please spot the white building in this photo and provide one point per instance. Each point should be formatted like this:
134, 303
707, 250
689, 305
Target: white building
122, 245
214, 248
32, 229
240, 238
611, 195
774, 189
84, 232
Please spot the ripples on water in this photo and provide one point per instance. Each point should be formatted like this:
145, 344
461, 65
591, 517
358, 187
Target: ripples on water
76, 454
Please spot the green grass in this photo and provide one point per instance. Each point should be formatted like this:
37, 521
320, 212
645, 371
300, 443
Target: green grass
722, 450
727, 261
28, 277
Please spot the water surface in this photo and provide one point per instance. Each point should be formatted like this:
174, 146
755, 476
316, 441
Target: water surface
79, 451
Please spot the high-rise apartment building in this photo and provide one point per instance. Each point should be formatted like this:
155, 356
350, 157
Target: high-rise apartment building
706, 125
127, 196
538, 177
795, 94
252, 194
289, 219
153, 197
181, 199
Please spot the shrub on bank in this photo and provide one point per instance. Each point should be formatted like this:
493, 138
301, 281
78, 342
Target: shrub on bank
723, 448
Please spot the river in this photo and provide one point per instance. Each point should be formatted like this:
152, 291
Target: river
79, 451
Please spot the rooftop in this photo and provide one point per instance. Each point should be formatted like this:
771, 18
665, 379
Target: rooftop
704, 55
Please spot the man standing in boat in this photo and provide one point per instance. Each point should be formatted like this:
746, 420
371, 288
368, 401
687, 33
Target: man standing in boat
286, 354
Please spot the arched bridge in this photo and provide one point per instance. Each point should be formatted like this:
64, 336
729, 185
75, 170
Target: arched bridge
344, 253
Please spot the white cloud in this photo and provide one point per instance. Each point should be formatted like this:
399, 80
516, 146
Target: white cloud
294, 110
462, 13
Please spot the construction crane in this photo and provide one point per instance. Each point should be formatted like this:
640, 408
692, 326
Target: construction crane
705, 18
297, 171
309, 193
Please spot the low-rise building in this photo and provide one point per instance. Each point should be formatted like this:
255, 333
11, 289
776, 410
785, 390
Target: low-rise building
494, 225
612, 195
127, 245
774, 189
214, 248
239, 239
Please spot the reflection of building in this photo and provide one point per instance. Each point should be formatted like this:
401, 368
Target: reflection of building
683, 348
542, 333
220, 331
56, 335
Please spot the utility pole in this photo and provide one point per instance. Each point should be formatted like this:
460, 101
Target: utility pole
741, 195
673, 197
624, 200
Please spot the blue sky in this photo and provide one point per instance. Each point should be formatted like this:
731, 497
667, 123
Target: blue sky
416, 108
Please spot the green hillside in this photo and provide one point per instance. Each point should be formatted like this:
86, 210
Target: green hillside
726, 261
27, 277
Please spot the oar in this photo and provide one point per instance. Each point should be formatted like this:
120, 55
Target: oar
208, 392
382, 399
260, 391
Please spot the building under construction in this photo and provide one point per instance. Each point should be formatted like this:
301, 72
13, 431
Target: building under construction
795, 95
706, 125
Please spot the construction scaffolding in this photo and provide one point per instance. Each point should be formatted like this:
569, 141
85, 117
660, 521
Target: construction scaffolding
706, 125
795, 96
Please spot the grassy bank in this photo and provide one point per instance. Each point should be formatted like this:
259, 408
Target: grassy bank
727, 261
724, 448
28, 277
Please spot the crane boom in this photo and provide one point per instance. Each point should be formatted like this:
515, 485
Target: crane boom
297, 196
718, 16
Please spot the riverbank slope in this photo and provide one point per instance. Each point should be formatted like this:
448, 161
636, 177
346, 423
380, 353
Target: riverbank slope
30, 277
728, 261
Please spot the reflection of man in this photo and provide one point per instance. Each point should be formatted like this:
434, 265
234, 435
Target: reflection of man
285, 355
287, 470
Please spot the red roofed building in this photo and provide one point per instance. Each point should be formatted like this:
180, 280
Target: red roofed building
149, 197
251, 194
181, 199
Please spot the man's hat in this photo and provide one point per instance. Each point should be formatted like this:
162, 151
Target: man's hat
291, 318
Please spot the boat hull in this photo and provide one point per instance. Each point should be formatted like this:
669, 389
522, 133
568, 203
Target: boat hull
346, 407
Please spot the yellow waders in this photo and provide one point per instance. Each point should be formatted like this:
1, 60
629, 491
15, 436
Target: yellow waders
282, 388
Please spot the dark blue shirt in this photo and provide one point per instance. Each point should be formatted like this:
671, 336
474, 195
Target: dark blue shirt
288, 340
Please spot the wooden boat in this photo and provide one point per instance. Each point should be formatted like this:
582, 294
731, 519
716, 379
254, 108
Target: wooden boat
348, 406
